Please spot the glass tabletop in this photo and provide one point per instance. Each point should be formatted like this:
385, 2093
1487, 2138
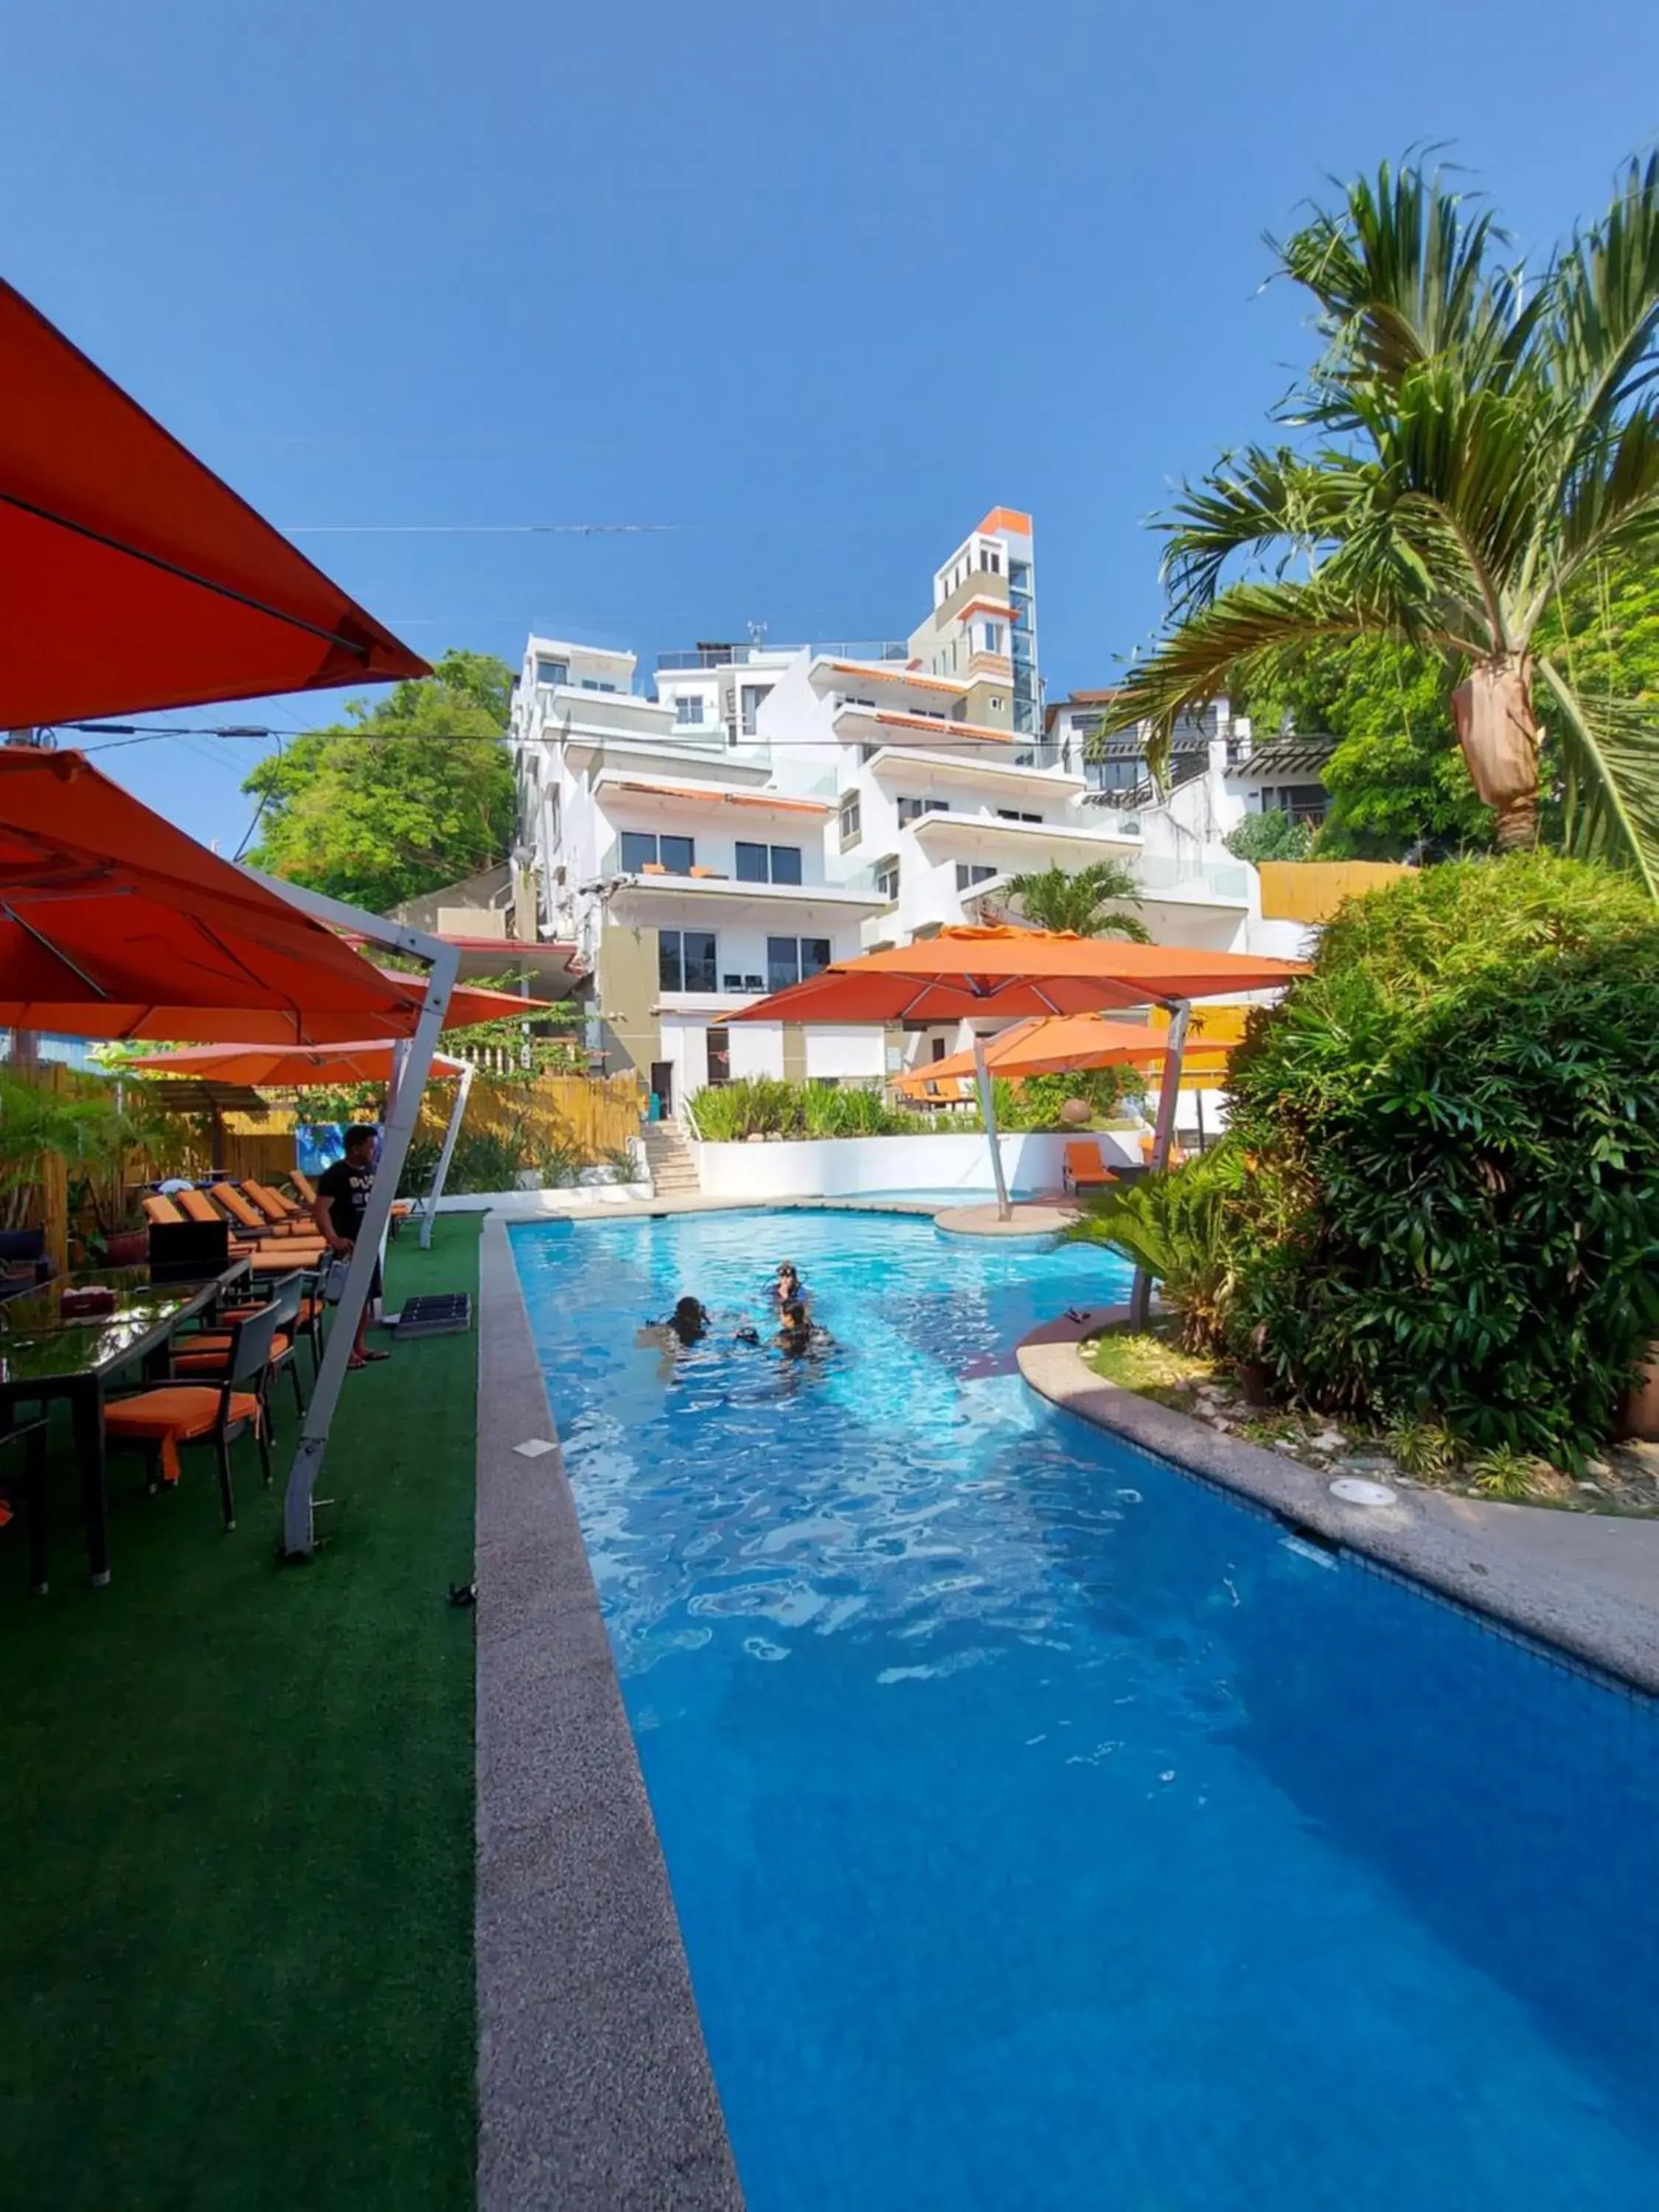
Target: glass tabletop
38, 1343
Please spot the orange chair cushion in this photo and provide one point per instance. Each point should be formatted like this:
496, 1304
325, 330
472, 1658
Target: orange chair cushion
197, 1207
207, 1354
161, 1214
173, 1415
235, 1204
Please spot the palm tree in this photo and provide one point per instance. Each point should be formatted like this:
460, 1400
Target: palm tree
1053, 900
1477, 443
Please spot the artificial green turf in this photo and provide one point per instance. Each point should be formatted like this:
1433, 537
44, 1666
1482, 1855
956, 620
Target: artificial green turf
236, 1823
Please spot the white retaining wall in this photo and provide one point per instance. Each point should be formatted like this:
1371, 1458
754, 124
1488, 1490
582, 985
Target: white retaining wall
864, 1167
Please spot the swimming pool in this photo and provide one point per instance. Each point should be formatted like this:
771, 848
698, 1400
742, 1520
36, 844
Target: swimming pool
1048, 1830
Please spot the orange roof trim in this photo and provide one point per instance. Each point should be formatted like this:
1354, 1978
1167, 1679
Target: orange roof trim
729, 797
1005, 518
903, 670
927, 722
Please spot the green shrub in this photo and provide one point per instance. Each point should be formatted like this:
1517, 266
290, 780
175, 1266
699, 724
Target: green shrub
1272, 835
767, 1106
1177, 1226
1453, 1212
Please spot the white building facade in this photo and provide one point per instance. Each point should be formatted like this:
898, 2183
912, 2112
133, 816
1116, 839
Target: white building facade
772, 810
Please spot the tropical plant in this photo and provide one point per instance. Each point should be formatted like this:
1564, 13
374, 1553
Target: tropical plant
1452, 1211
1084, 900
769, 1106
1477, 441
1176, 1226
1272, 835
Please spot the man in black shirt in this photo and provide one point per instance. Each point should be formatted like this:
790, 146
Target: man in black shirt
341, 1199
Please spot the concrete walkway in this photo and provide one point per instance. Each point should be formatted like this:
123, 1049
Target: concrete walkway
1587, 1584
1043, 1218
594, 2088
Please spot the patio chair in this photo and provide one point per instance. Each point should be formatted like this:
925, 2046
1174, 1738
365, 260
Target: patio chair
161, 1212
165, 1415
306, 1187
278, 1212
1083, 1168
32, 1435
246, 1219
205, 1355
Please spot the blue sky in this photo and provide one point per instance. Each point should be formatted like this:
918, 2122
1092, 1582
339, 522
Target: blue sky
814, 285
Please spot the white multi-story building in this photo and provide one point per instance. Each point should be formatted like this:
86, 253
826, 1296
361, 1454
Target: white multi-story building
773, 808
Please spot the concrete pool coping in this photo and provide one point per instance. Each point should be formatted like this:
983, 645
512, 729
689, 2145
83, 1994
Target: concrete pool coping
595, 2092
1585, 1584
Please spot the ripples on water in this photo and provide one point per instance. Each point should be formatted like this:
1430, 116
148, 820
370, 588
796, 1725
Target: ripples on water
1048, 1832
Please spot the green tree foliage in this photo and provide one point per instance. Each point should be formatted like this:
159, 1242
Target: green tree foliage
1451, 1204
1083, 900
1469, 451
1274, 836
402, 797
1397, 777
1177, 1226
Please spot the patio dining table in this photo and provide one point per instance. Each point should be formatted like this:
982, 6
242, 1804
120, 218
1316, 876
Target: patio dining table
45, 1354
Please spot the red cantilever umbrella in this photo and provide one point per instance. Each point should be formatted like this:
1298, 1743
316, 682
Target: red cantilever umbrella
114, 924
135, 579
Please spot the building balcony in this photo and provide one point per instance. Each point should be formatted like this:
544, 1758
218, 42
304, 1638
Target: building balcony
860, 725
1019, 845
998, 782
706, 901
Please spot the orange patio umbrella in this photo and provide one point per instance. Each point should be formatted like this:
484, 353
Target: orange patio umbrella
472, 1003
286, 1067
114, 924
1053, 1044
966, 974
135, 578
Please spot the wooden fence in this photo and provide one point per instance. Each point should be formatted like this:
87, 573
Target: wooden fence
1312, 891
590, 1116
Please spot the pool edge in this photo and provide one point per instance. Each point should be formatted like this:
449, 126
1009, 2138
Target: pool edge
1475, 1553
594, 2085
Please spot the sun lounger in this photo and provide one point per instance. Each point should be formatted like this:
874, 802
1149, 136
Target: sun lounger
1084, 1168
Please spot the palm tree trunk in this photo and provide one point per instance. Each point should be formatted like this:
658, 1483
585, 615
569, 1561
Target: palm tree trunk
1499, 732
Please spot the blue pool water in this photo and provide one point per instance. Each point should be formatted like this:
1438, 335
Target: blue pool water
1048, 1830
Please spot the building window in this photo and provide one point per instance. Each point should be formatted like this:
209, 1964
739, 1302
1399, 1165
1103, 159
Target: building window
911, 810
720, 1056
887, 879
969, 873
552, 672
851, 820
1020, 576
687, 708
1013, 814
748, 699
593, 684
768, 864
639, 851
939, 1048
792, 959
993, 562
991, 637
686, 961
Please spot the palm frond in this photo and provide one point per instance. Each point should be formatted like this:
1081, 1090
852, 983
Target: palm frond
1611, 503
1610, 749
1225, 645
1400, 272
1252, 501
1605, 344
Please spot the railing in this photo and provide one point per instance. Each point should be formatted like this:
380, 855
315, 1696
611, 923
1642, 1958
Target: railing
739, 656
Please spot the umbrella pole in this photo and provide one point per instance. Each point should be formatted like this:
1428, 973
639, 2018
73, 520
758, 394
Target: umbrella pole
988, 1108
1181, 1013
430, 1214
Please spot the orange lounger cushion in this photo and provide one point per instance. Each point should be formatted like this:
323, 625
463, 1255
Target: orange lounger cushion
171, 1416
1084, 1165
228, 1195
196, 1205
161, 1214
